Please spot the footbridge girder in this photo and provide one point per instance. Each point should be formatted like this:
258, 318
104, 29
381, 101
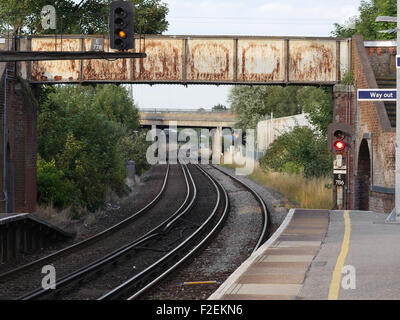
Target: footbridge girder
194, 60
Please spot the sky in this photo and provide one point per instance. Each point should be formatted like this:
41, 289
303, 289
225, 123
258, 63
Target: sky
238, 17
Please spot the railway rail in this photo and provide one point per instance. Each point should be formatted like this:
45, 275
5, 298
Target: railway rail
266, 215
148, 259
10, 281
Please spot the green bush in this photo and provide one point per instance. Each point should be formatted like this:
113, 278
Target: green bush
86, 133
300, 150
134, 148
53, 188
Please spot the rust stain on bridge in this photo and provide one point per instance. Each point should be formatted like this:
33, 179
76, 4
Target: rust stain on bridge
198, 59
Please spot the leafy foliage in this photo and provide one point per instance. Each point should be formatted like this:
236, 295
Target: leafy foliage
83, 17
80, 133
318, 104
53, 188
300, 150
365, 23
219, 107
135, 148
253, 104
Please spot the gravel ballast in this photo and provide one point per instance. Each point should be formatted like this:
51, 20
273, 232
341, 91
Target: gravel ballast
230, 248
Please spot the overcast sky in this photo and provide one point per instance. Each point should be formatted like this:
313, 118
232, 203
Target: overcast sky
239, 17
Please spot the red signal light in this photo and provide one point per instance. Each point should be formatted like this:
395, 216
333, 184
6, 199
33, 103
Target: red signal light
339, 145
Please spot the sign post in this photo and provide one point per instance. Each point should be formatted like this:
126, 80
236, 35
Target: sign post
394, 217
339, 173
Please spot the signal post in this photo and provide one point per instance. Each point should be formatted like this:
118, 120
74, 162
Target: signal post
339, 142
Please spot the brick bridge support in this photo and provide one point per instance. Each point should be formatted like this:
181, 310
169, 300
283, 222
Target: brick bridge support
370, 161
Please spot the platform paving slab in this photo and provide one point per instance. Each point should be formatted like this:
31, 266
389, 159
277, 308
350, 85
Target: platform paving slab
277, 270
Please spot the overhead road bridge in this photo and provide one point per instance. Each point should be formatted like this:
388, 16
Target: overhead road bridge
186, 118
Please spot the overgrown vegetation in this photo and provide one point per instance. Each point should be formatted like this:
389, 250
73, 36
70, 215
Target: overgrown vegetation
365, 24
309, 193
85, 137
300, 151
83, 17
254, 104
303, 150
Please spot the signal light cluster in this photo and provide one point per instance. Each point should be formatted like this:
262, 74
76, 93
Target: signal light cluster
339, 144
121, 25
339, 137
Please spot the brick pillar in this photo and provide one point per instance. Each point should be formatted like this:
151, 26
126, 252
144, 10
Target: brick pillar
21, 144
343, 112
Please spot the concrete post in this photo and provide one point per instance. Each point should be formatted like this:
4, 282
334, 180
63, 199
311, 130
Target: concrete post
130, 179
217, 145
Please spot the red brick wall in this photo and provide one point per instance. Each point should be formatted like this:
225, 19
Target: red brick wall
371, 118
382, 60
21, 124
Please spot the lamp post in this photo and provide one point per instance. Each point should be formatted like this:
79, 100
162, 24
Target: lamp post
394, 217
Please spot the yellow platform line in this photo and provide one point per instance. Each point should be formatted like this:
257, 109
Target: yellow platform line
200, 282
337, 272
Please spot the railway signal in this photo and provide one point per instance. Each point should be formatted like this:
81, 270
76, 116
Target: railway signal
339, 141
121, 25
339, 137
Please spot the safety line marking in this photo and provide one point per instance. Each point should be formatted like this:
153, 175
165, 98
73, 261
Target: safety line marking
337, 273
200, 282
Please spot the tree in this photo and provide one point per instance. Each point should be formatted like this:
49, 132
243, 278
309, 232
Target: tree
365, 23
83, 17
318, 105
219, 107
253, 104
80, 134
300, 150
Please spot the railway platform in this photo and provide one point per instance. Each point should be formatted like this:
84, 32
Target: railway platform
21, 233
322, 255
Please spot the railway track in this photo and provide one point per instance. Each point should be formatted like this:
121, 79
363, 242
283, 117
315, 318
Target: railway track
139, 264
266, 216
15, 283
167, 241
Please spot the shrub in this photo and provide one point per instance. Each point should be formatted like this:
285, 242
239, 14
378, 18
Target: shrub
53, 188
300, 150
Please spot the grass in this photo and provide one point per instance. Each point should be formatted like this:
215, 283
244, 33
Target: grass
308, 193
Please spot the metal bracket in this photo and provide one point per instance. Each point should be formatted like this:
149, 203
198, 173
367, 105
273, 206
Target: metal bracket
10, 56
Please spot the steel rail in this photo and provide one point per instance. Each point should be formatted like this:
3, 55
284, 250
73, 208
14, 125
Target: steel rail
126, 250
94, 238
175, 253
266, 229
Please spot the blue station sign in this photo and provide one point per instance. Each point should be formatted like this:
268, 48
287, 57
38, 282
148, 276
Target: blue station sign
398, 61
377, 94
